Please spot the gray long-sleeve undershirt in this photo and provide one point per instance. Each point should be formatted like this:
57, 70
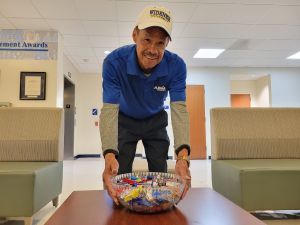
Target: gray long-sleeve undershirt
109, 127
180, 123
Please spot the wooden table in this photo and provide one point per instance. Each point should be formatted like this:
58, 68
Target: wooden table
201, 206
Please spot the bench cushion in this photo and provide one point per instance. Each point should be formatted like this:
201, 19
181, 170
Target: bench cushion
259, 184
255, 133
31, 134
28, 186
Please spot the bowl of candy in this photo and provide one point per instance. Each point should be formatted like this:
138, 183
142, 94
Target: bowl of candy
148, 192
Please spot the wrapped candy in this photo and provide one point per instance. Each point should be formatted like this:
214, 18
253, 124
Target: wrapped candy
148, 191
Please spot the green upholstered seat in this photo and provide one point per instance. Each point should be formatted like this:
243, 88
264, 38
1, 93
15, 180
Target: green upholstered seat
256, 156
31, 167
259, 184
28, 186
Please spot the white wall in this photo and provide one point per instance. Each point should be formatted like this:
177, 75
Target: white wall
69, 71
262, 94
60, 74
50, 61
10, 81
88, 95
285, 87
242, 87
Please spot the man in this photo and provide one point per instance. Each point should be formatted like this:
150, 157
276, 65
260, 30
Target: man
136, 80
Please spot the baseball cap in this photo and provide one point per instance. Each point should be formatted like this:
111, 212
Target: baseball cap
155, 16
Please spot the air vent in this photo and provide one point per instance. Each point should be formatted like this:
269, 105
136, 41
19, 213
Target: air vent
241, 44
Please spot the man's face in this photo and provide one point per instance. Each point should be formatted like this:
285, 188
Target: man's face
150, 46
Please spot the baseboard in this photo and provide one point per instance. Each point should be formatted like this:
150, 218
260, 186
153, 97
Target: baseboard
87, 156
99, 156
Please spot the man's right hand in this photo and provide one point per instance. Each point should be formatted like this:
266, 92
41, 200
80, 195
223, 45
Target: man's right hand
111, 169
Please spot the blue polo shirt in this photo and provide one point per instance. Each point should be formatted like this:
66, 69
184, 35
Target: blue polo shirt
138, 96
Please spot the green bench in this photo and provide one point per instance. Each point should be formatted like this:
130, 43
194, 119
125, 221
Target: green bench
31, 167
256, 156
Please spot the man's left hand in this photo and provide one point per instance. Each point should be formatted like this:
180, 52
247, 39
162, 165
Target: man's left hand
183, 171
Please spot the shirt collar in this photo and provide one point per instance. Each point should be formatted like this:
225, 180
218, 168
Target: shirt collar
133, 68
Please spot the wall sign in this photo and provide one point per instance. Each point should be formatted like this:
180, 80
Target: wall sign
28, 44
94, 112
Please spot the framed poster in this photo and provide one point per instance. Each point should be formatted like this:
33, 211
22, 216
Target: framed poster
33, 86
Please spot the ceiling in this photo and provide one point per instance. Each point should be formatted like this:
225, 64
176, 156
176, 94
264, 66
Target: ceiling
255, 33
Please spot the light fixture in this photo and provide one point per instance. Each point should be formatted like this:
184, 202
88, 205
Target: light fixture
208, 53
106, 52
295, 56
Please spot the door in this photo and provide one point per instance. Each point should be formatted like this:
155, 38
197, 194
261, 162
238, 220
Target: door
69, 108
196, 109
240, 100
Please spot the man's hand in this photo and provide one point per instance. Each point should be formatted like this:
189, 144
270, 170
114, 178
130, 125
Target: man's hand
111, 169
182, 169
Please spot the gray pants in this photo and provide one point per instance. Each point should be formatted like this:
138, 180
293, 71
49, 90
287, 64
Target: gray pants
152, 131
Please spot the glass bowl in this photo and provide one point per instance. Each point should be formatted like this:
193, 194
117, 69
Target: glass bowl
148, 192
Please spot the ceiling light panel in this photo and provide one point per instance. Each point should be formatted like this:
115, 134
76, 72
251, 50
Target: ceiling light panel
208, 53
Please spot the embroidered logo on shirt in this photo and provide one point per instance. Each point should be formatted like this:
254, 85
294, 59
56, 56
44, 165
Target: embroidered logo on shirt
159, 88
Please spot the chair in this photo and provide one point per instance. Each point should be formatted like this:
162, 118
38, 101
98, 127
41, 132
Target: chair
31, 167
256, 156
